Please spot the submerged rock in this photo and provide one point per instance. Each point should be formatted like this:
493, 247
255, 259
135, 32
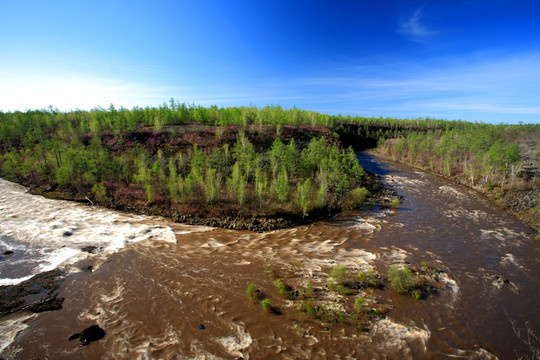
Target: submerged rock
12, 297
92, 333
91, 249
46, 304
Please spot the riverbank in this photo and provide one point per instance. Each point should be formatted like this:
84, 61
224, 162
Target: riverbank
234, 218
522, 202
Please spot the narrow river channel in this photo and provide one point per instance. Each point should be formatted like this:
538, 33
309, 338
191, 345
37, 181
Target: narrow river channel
164, 290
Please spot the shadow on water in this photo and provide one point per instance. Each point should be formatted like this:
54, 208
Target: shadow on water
370, 164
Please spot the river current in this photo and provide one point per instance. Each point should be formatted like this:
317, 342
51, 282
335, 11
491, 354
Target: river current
165, 290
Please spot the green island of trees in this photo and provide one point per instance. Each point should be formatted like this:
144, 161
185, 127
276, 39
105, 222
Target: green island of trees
250, 167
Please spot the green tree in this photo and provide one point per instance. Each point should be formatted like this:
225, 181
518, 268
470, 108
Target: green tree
150, 193
100, 192
64, 174
277, 156
305, 190
172, 183
261, 183
282, 186
210, 189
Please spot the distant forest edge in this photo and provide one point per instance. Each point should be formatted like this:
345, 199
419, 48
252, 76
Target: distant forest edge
250, 167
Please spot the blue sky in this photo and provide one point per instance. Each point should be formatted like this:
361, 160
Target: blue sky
469, 60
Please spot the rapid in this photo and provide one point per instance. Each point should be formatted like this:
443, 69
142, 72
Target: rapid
162, 290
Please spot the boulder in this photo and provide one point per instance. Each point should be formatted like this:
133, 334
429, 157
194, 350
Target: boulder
92, 333
91, 249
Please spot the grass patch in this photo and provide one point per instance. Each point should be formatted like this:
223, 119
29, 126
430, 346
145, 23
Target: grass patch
271, 272
368, 278
282, 288
417, 294
402, 280
266, 305
359, 304
309, 289
343, 290
251, 292
359, 196
337, 277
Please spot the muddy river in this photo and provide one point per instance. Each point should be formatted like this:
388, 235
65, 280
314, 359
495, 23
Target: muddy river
161, 290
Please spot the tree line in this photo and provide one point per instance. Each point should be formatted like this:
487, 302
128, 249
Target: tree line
147, 154
487, 155
64, 151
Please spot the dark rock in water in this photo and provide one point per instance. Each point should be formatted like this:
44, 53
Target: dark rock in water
92, 333
12, 297
91, 249
202, 327
74, 336
46, 304
8, 252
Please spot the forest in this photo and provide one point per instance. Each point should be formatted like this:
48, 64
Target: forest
236, 163
500, 161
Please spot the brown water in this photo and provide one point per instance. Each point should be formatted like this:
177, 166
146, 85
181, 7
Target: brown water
152, 296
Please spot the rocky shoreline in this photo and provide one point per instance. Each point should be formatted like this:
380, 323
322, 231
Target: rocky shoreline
37, 294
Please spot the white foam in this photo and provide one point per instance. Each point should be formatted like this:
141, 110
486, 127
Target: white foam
9, 329
450, 285
394, 254
234, 345
510, 259
58, 257
8, 281
396, 335
460, 213
369, 224
414, 185
59, 229
10, 245
492, 234
451, 191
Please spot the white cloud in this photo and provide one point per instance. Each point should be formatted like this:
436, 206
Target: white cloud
481, 88
414, 28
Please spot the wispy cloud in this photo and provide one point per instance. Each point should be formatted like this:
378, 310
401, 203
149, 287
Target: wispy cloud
486, 88
414, 28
